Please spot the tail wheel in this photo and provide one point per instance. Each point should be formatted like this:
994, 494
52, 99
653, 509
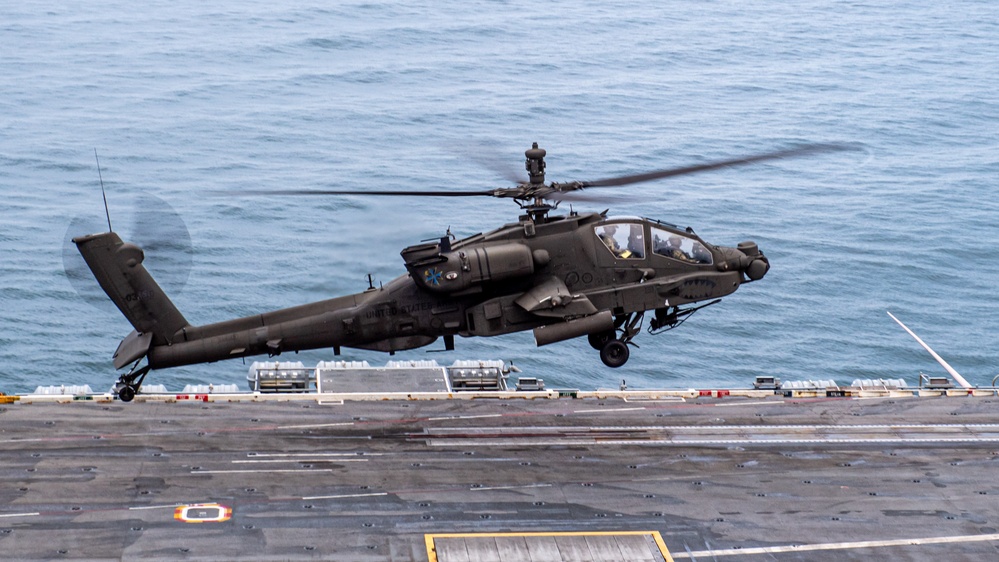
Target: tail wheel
128, 385
600, 339
126, 393
614, 353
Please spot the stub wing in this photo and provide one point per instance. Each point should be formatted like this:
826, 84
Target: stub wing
552, 299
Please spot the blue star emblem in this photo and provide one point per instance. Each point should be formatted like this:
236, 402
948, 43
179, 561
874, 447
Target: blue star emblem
432, 276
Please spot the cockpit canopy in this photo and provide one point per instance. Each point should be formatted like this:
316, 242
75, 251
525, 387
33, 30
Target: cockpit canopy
679, 247
624, 240
627, 240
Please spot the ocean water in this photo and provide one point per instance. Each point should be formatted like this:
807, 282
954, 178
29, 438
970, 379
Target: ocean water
183, 100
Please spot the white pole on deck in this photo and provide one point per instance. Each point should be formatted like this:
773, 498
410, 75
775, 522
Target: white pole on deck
960, 380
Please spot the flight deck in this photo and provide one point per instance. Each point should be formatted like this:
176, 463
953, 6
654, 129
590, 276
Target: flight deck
539, 475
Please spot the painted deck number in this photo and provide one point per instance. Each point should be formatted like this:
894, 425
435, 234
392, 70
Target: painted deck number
203, 513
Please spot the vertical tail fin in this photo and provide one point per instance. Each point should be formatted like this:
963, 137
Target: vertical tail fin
118, 268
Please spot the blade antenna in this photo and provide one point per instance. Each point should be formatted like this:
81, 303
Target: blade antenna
107, 213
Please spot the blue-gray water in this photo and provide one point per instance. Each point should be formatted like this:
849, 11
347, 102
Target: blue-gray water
183, 98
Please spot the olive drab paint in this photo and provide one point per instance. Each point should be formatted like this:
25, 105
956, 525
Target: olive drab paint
562, 276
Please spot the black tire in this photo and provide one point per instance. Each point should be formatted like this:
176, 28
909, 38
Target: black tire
600, 339
614, 353
126, 393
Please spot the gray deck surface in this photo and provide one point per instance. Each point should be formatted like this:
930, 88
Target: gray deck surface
383, 380
722, 479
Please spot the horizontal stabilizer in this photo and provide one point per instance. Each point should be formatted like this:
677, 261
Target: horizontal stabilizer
135, 346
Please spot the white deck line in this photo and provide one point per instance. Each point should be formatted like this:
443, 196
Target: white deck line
32, 514
260, 471
836, 546
343, 496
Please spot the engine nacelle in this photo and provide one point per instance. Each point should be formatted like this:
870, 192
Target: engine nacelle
444, 270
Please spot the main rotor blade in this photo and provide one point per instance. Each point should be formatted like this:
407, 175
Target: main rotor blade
486, 153
397, 193
599, 197
556, 191
686, 170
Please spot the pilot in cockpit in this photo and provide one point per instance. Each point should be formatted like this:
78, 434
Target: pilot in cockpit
607, 237
636, 242
674, 249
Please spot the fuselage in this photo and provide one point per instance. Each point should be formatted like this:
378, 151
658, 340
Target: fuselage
524, 275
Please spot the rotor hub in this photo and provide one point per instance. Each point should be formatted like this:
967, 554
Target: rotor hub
535, 164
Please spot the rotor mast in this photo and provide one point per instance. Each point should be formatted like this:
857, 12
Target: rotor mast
535, 165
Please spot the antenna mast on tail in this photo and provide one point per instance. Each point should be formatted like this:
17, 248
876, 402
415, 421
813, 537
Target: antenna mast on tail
103, 194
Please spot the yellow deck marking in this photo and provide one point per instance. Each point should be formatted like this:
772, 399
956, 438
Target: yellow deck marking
432, 551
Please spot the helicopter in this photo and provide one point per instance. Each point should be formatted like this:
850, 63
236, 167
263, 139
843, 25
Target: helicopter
562, 276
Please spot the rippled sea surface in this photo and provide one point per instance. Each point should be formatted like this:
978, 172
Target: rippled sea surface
184, 99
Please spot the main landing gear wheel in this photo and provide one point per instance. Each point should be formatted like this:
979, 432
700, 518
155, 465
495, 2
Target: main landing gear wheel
614, 353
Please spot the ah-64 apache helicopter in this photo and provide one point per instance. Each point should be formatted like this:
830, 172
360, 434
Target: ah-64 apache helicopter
562, 276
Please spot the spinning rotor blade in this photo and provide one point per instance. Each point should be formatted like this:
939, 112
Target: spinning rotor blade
486, 153
559, 191
155, 226
398, 193
686, 170
602, 197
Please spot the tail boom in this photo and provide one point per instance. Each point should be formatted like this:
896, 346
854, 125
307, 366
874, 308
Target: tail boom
164, 337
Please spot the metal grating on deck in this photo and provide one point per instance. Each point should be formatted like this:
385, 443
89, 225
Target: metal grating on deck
634, 546
372, 380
